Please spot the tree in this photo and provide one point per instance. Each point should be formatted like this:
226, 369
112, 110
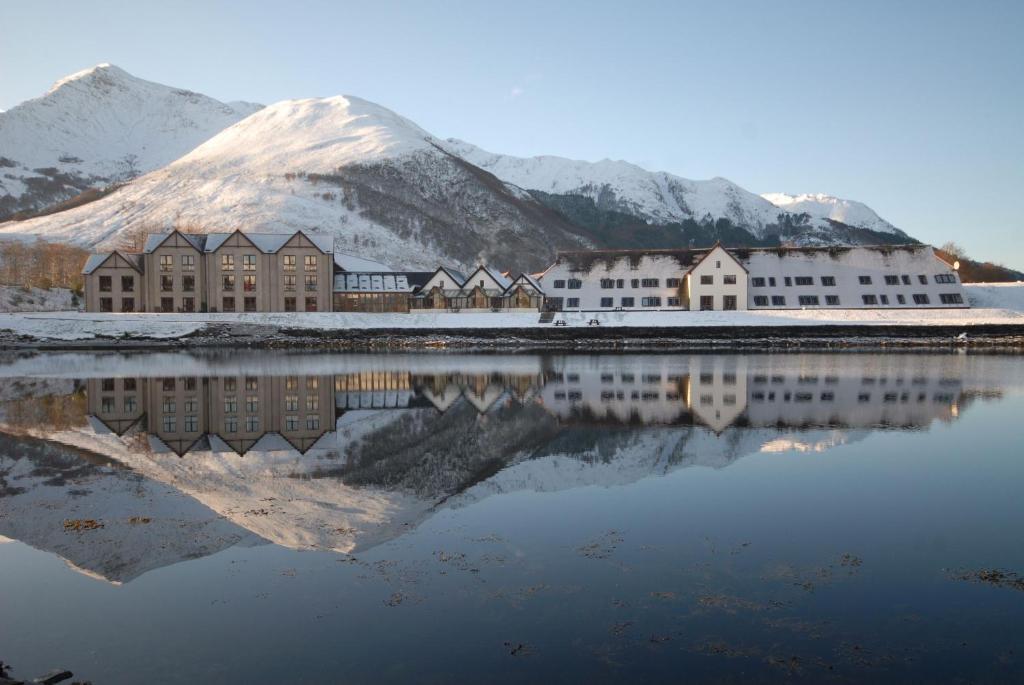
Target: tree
954, 249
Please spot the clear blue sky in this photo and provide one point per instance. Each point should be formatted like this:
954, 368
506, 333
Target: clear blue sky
915, 108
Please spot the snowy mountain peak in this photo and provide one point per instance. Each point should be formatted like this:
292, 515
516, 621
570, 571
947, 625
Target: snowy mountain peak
822, 206
96, 127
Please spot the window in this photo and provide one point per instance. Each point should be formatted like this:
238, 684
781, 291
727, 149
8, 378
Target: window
634, 283
252, 424
869, 299
291, 402
558, 284
939, 278
757, 282
312, 382
291, 423
864, 280
760, 300
718, 265
289, 304
127, 284
228, 304
168, 406
707, 303
127, 304
188, 262
620, 283
252, 403
230, 404
922, 279
166, 262
106, 304
312, 403
313, 423
170, 423
249, 283
808, 300
729, 280
227, 262
572, 302
707, 280
130, 405
106, 284
228, 283
249, 262
607, 283
673, 302
828, 281
627, 302
310, 262
188, 283
650, 302
906, 279
167, 304
672, 282
289, 262
902, 299
832, 300
804, 280
166, 284
167, 384
575, 284
729, 303
778, 301
230, 384
252, 383
188, 304
291, 383
892, 280
884, 299
191, 424
310, 283
787, 281
650, 282
771, 281
249, 304
607, 301
921, 299
231, 424
951, 298
311, 304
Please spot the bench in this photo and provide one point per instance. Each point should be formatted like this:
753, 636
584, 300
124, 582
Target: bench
593, 322
560, 322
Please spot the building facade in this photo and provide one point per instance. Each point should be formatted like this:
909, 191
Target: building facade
722, 279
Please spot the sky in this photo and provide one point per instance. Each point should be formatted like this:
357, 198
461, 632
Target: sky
914, 108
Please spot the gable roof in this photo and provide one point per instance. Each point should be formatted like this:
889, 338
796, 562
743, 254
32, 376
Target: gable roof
458, 278
155, 240
529, 280
270, 243
499, 278
95, 261
712, 250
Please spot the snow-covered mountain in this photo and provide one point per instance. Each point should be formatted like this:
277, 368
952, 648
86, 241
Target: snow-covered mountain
821, 206
376, 180
386, 189
654, 196
96, 127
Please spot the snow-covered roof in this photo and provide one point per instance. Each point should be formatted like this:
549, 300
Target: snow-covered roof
372, 283
352, 263
268, 243
94, 261
530, 280
499, 278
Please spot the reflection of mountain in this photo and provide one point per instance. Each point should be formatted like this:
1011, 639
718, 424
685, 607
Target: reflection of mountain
145, 525
347, 452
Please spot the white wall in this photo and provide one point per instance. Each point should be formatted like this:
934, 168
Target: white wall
717, 266
661, 267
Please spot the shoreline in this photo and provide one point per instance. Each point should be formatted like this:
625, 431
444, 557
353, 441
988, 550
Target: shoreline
1007, 336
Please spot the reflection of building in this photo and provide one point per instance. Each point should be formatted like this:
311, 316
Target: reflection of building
236, 410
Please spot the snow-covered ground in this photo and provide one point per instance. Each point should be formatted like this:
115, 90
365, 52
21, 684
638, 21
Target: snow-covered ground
17, 299
1004, 304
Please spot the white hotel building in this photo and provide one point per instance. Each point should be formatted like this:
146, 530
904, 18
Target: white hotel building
718, 278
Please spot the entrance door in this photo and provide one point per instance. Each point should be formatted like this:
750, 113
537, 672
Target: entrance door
707, 303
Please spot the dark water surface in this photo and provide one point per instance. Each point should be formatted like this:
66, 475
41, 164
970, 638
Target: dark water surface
282, 517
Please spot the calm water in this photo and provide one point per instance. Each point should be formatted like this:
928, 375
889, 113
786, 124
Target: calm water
281, 517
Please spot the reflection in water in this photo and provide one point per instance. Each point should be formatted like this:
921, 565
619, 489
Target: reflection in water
190, 457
